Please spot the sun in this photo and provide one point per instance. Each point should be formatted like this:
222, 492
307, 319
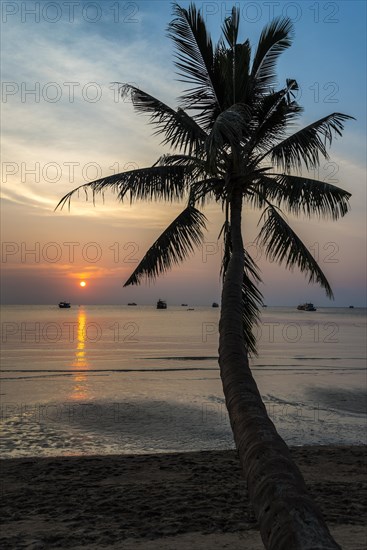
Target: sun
83, 283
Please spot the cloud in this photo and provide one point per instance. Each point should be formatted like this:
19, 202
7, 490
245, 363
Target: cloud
74, 127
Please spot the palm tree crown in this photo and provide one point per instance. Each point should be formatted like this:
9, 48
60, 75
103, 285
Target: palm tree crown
231, 129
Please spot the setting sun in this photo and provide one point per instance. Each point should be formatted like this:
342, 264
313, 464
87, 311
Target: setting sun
83, 283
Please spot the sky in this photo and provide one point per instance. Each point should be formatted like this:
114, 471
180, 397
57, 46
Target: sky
63, 124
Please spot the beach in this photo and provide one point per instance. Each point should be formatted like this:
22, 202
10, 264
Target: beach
166, 500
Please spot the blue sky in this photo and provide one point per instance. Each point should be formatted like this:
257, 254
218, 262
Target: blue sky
72, 128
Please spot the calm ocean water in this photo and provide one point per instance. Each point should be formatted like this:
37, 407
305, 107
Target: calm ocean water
119, 379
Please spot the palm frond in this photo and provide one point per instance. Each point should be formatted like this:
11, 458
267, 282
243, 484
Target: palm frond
222, 76
283, 245
230, 27
227, 250
168, 183
252, 297
252, 300
242, 81
275, 38
273, 115
180, 160
180, 130
203, 187
306, 195
172, 246
308, 143
208, 189
194, 59
231, 74
197, 166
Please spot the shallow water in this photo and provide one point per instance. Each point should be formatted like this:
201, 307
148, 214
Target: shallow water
118, 379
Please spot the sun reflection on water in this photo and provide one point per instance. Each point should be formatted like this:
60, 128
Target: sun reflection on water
81, 388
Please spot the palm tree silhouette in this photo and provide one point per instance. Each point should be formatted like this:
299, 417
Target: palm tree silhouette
230, 143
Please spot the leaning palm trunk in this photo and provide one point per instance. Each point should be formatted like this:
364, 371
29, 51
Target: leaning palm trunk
287, 517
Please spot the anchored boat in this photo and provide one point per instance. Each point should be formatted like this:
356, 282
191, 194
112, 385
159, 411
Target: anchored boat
307, 307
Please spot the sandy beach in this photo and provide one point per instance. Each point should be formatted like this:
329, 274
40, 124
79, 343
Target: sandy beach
166, 501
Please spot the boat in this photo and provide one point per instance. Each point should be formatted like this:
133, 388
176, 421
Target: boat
184, 305
214, 304
131, 304
161, 304
306, 307
351, 307
64, 305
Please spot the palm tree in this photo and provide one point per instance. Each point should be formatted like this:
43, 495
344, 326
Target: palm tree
229, 142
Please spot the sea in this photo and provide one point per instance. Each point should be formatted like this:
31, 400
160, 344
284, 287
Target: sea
133, 379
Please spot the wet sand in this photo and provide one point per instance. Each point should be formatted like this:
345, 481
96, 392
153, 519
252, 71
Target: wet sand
178, 501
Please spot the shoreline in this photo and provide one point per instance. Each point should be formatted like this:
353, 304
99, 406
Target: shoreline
166, 500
